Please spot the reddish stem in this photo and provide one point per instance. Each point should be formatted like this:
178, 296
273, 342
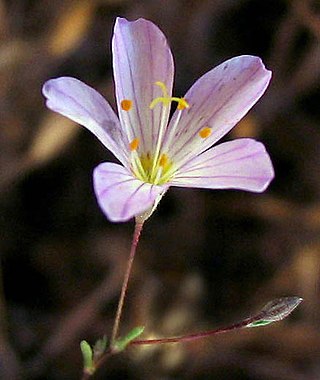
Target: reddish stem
135, 240
195, 336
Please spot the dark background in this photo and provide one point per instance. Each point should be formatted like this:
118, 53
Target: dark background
206, 258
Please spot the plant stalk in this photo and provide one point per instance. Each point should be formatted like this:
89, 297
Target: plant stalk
135, 240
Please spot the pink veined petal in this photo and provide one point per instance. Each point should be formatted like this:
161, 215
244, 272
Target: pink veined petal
239, 164
141, 57
218, 100
74, 99
120, 195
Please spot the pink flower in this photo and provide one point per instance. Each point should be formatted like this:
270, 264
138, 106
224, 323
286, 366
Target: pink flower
156, 153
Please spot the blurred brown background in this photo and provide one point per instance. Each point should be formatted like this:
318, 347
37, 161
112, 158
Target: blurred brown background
206, 258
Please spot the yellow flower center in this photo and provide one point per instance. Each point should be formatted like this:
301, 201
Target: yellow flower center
158, 172
153, 167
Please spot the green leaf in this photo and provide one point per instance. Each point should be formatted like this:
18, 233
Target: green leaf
99, 348
274, 311
122, 343
87, 357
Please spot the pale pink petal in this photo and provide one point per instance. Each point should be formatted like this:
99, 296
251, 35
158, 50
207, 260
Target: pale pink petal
120, 195
141, 57
84, 105
218, 100
240, 164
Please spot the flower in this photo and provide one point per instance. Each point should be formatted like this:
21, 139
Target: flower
156, 153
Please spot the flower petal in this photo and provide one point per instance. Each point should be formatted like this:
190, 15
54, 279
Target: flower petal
239, 164
120, 195
141, 57
74, 99
218, 100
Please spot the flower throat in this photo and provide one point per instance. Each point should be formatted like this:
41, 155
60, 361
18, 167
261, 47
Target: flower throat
155, 167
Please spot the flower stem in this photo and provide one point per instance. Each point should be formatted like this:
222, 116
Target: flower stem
191, 337
274, 311
135, 240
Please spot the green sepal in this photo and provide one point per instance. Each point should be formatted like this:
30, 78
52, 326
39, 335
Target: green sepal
99, 348
122, 343
87, 355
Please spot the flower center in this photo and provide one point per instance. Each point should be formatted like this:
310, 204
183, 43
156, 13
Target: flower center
157, 173
147, 169
154, 167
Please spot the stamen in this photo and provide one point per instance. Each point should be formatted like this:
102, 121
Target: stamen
163, 160
182, 104
126, 104
137, 166
205, 132
134, 144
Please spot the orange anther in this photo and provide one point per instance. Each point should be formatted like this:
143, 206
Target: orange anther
126, 104
205, 132
182, 104
134, 144
163, 160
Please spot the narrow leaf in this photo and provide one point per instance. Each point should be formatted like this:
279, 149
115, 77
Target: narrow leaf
99, 348
122, 343
87, 357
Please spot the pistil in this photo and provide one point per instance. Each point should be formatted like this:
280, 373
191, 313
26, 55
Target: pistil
166, 100
154, 167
